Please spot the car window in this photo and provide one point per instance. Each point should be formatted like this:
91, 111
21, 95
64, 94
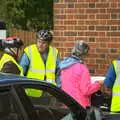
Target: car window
9, 109
48, 106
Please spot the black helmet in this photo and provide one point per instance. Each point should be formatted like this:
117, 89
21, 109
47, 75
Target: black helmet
44, 35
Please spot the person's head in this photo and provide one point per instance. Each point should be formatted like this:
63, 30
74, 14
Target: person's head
11, 45
80, 48
44, 39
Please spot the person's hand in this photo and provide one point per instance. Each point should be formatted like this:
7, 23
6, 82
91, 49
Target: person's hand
101, 81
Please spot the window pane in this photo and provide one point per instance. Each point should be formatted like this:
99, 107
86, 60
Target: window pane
49, 107
8, 107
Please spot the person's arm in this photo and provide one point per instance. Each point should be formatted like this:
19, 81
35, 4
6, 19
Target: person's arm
57, 73
110, 77
24, 63
85, 85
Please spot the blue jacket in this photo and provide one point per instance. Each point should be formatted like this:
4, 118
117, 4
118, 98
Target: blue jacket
68, 61
110, 76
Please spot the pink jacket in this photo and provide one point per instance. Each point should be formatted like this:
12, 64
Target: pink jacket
76, 82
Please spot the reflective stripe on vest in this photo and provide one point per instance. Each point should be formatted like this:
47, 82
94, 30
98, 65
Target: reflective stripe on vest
6, 58
115, 104
38, 70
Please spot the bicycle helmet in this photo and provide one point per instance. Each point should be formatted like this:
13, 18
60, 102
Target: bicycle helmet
12, 42
8, 45
44, 35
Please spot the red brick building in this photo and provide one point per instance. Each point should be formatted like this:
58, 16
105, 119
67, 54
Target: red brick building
95, 21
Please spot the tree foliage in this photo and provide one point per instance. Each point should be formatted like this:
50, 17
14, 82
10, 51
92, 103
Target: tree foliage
27, 14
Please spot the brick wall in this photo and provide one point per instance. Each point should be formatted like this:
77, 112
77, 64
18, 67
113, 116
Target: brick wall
95, 21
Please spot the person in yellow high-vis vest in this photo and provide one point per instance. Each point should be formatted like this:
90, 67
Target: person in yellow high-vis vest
8, 62
112, 81
41, 61
10, 47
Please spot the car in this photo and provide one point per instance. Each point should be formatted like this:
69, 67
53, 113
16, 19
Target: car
55, 104
52, 104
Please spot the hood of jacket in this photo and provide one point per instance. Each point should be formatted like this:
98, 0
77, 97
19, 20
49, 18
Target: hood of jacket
69, 61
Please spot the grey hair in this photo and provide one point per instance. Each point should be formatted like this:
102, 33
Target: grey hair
80, 48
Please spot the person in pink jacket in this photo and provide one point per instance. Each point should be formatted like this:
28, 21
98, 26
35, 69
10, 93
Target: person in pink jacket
75, 76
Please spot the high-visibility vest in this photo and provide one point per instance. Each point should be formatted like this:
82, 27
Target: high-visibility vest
7, 58
115, 104
37, 68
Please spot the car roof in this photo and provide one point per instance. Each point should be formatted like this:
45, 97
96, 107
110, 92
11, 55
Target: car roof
11, 78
